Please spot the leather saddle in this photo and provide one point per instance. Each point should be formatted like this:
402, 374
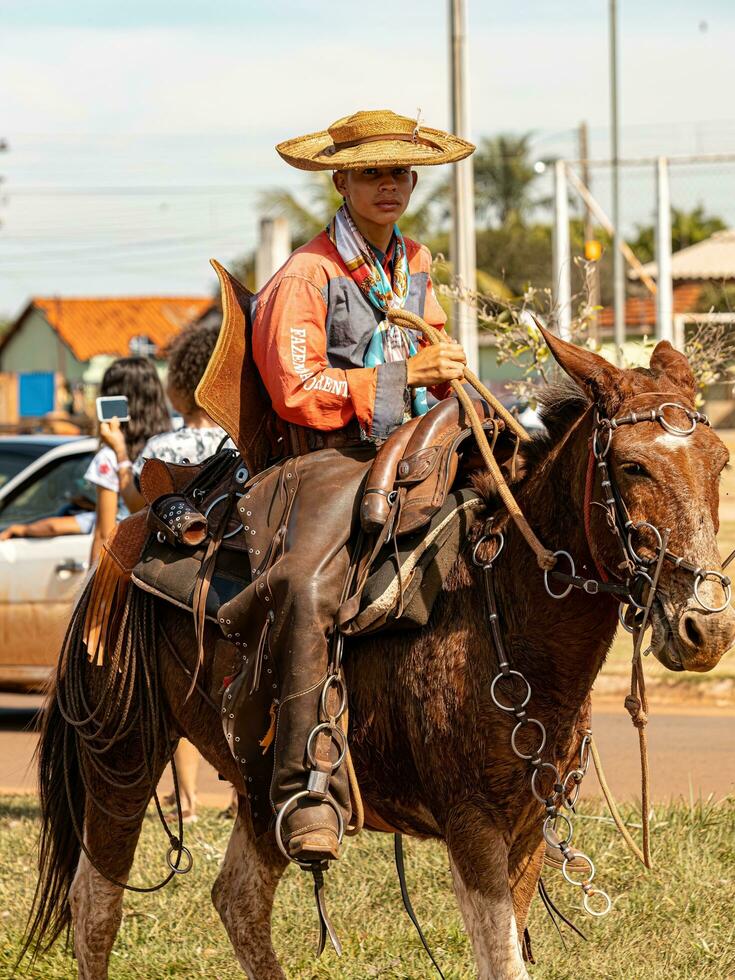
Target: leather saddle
410, 491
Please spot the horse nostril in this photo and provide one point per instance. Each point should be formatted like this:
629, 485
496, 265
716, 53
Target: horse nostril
692, 631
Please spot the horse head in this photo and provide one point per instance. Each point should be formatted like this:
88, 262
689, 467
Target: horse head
663, 463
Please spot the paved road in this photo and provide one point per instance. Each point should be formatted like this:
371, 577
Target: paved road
692, 752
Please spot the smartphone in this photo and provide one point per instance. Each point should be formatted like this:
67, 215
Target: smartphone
112, 406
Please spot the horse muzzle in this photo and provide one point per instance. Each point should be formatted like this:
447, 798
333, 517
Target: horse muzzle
696, 639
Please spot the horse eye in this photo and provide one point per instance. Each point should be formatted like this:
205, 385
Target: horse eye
634, 469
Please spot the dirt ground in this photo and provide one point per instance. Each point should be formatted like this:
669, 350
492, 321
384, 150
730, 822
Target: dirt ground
692, 752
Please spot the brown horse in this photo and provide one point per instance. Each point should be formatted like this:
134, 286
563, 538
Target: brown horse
431, 750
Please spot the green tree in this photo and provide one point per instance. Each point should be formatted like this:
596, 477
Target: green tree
687, 228
504, 178
514, 254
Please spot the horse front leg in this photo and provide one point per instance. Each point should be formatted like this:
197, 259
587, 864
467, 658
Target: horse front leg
243, 896
478, 857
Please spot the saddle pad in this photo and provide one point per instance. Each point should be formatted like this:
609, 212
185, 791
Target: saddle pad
171, 574
425, 558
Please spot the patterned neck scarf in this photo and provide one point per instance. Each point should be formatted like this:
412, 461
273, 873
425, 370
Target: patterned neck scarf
389, 342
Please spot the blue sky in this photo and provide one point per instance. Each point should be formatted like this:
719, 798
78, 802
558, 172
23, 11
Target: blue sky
187, 94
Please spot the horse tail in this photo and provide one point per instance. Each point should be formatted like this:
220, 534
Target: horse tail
62, 798
95, 704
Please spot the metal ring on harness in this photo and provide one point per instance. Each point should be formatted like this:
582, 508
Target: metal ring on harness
596, 451
177, 869
534, 775
702, 576
634, 554
522, 724
558, 841
633, 601
570, 796
585, 753
499, 704
330, 682
218, 500
491, 561
338, 736
573, 572
621, 616
673, 429
590, 893
578, 855
279, 825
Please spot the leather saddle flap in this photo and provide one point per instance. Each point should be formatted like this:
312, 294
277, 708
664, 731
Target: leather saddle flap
425, 558
231, 391
431, 459
171, 573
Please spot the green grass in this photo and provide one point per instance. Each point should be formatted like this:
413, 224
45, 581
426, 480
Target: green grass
674, 923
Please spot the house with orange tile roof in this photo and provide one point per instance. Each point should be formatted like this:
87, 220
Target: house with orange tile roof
64, 342
709, 262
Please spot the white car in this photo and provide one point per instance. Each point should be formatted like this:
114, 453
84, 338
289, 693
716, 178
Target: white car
40, 476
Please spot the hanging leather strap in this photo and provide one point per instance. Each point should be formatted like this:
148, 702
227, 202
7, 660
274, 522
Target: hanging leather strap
401, 870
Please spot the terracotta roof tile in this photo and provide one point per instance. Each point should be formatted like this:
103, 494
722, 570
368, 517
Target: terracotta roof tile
106, 326
640, 311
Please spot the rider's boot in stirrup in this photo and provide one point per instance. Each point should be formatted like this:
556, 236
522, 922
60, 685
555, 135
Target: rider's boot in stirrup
310, 788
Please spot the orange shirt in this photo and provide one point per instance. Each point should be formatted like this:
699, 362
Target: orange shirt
311, 327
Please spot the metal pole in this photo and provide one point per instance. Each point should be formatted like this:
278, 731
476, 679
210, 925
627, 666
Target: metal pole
562, 264
274, 247
664, 293
592, 269
462, 246
625, 249
618, 266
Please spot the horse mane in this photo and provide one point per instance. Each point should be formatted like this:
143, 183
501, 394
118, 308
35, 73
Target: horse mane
560, 405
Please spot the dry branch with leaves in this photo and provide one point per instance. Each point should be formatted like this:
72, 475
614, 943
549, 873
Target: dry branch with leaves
710, 347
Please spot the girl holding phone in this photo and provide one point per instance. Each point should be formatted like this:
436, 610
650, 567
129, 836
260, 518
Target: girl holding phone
136, 379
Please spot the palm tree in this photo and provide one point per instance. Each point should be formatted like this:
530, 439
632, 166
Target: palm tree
321, 199
503, 179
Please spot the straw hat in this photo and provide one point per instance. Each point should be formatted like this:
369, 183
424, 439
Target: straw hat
378, 138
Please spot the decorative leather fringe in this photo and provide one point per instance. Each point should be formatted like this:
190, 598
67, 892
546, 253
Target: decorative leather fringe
105, 609
109, 586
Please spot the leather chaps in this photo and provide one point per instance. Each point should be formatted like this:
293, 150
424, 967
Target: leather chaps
283, 622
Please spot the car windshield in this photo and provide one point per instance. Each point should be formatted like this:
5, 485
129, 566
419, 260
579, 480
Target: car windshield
54, 491
15, 457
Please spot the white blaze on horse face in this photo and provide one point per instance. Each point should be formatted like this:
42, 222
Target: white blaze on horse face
668, 440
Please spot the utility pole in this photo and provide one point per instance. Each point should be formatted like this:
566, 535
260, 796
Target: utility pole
618, 266
664, 292
561, 254
4, 146
462, 246
591, 245
274, 247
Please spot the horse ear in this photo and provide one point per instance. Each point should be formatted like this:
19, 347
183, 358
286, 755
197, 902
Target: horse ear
668, 361
598, 377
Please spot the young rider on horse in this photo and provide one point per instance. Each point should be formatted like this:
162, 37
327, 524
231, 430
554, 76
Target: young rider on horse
344, 378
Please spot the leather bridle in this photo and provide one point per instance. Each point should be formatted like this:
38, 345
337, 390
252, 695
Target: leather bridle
632, 588
555, 790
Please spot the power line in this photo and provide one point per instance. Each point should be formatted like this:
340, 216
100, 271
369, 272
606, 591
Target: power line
125, 190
